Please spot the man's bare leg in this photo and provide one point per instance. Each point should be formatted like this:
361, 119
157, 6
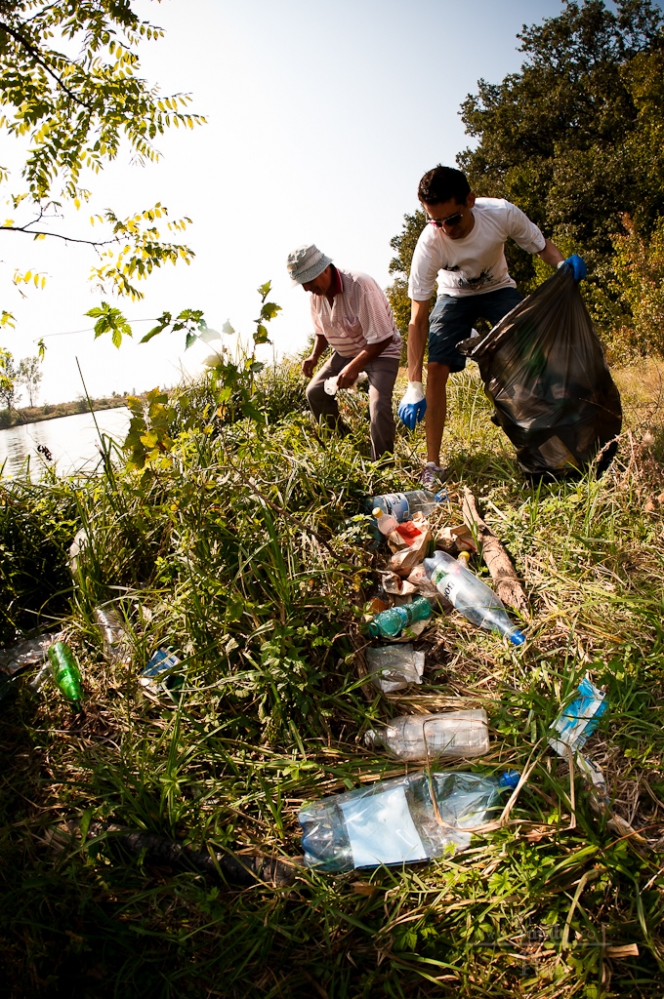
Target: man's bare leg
437, 375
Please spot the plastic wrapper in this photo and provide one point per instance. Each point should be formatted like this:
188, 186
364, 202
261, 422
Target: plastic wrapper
392, 669
544, 370
579, 719
30, 652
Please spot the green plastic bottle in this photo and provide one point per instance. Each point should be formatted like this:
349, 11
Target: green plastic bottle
390, 622
66, 673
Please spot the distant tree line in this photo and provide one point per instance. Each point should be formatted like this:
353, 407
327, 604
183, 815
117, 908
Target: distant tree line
576, 139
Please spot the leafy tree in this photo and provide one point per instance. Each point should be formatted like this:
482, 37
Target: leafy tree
29, 374
575, 138
70, 84
404, 244
7, 379
639, 283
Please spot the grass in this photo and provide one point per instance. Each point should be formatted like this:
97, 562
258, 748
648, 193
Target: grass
244, 551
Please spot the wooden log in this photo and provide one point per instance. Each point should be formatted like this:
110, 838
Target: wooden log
498, 562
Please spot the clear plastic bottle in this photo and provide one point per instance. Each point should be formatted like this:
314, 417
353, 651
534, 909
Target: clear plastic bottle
113, 633
404, 506
424, 737
389, 623
406, 819
387, 524
385, 521
66, 673
470, 596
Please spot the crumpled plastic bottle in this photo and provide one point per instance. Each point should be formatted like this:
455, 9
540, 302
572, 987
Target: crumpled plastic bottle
403, 820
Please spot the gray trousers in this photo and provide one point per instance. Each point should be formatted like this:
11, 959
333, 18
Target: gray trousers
382, 373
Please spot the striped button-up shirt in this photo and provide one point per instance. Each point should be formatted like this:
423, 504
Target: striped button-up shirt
360, 315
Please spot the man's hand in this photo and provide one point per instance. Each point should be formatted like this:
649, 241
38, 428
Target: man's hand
347, 377
308, 366
413, 406
578, 266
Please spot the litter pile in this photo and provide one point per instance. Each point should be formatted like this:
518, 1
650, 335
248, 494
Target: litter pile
424, 573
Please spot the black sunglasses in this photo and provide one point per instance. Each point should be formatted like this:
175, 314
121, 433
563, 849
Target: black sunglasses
450, 220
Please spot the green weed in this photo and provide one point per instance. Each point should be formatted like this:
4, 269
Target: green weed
245, 549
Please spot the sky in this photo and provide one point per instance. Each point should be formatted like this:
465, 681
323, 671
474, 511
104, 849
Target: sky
321, 119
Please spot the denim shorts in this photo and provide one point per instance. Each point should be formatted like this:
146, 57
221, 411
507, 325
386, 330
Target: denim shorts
453, 319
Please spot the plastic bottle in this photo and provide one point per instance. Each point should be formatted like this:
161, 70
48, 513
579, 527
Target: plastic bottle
470, 596
423, 737
406, 819
387, 524
385, 521
390, 622
113, 633
66, 673
404, 506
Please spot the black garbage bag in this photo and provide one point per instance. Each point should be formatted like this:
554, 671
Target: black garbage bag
544, 370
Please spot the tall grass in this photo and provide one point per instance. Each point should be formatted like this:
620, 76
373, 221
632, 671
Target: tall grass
246, 551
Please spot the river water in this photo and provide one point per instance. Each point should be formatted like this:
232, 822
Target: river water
72, 441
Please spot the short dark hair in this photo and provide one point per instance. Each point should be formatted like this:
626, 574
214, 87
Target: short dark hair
442, 184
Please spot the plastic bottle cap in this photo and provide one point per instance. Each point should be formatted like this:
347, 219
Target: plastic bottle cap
517, 638
509, 779
377, 512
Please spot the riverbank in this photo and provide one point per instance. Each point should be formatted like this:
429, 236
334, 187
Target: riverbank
36, 414
242, 548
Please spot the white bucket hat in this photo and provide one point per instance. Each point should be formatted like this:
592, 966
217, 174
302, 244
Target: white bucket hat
306, 263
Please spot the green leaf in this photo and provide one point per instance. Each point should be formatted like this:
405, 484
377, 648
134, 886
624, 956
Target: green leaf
269, 311
227, 328
265, 289
260, 336
109, 320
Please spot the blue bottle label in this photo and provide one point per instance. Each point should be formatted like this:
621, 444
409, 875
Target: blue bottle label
397, 505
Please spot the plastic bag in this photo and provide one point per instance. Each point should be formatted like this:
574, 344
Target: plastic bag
393, 669
544, 370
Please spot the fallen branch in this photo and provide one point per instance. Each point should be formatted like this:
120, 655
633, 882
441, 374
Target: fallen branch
498, 562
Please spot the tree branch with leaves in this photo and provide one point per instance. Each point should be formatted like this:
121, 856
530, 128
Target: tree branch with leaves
70, 83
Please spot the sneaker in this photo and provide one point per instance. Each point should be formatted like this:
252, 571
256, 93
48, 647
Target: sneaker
432, 476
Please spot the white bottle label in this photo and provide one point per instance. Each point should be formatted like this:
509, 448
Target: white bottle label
381, 829
447, 583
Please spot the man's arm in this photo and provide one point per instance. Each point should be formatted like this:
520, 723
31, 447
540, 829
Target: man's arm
551, 254
418, 329
348, 375
320, 346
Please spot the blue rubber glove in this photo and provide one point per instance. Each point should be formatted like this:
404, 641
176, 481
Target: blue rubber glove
413, 406
578, 266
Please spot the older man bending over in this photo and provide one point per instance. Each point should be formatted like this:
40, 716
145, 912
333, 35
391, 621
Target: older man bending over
351, 315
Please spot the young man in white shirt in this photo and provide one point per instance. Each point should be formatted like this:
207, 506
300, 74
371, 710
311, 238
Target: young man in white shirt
463, 248
351, 314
